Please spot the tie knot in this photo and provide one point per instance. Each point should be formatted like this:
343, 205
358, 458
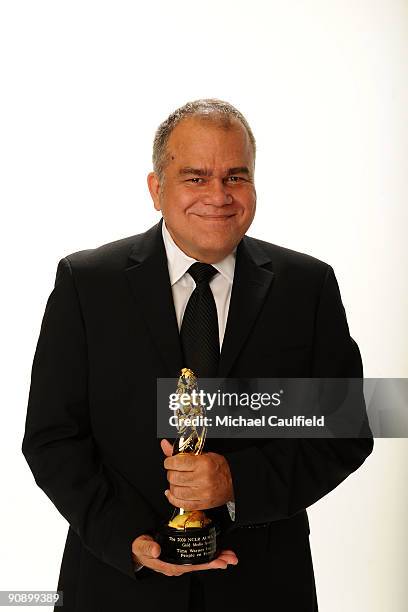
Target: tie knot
202, 272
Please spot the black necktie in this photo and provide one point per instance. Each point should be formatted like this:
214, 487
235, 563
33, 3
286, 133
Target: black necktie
199, 329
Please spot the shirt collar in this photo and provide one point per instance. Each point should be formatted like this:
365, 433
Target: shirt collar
178, 262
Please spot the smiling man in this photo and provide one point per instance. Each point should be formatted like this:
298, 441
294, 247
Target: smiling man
192, 291
205, 186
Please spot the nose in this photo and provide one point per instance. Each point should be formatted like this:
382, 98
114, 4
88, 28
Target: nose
218, 193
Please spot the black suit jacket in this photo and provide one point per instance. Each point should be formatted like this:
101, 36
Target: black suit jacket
108, 332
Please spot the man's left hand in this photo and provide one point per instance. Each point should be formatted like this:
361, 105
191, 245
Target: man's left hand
197, 482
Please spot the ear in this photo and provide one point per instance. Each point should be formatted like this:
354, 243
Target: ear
154, 188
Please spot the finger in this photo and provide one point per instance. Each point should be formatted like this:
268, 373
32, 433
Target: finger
186, 493
227, 552
183, 462
166, 447
229, 557
220, 562
183, 503
147, 547
170, 569
184, 479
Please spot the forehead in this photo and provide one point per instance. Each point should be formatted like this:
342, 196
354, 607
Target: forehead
197, 138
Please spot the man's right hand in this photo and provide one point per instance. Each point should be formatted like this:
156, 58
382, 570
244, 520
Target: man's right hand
146, 552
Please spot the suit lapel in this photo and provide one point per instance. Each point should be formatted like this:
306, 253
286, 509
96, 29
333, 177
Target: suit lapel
149, 279
249, 290
148, 275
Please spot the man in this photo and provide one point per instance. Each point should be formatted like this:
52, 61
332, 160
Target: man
113, 324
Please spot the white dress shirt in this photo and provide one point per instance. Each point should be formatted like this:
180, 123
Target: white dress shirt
183, 285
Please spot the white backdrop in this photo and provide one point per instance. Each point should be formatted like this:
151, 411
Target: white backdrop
324, 86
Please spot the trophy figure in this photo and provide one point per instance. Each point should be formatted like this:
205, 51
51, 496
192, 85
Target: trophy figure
189, 537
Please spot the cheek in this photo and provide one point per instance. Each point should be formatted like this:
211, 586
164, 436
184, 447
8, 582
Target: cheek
246, 194
247, 202
176, 201
181, 197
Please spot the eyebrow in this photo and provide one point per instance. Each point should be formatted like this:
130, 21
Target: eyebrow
205, 172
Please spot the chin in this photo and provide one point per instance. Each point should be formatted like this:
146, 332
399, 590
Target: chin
217, 250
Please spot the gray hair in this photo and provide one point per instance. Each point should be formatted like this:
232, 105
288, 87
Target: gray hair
212, 109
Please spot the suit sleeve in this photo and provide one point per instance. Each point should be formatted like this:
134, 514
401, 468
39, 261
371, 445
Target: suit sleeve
293, 473
102, 507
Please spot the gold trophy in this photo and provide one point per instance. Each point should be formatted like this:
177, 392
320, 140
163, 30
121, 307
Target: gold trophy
189, 537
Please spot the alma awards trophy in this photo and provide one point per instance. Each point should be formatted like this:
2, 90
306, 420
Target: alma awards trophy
189, 538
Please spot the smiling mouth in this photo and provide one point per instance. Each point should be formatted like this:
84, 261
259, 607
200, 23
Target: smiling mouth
215, 216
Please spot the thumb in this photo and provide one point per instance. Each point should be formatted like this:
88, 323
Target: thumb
149, 547
167, 448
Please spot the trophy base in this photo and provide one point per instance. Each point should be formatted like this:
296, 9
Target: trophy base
189, 546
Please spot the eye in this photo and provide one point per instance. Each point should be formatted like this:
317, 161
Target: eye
196, 180
235, 179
